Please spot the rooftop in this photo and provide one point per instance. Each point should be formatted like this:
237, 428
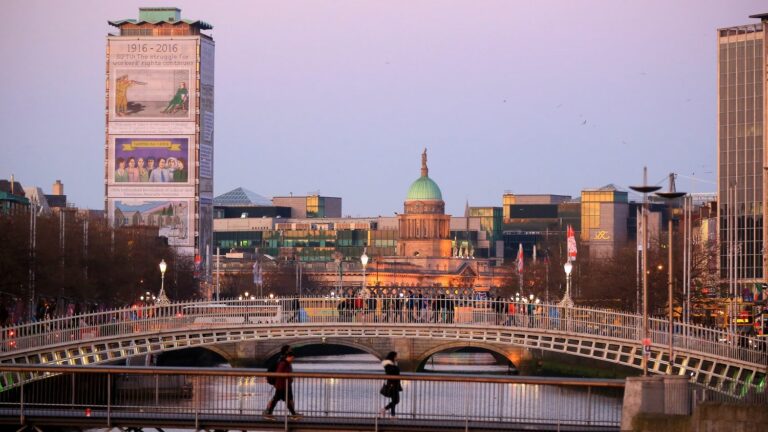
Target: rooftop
158, 15
241, 197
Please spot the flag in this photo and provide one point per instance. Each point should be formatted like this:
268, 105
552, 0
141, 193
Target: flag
571, 244
520, 259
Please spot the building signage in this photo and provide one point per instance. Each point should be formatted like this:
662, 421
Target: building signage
601, 235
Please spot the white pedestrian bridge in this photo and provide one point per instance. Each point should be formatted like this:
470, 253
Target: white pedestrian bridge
713, 359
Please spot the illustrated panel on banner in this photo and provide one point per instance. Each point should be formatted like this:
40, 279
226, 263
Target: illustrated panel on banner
152, 79
175, 218
152, 160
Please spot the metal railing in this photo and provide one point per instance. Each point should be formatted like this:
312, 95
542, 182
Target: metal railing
618, 325
748, 395
237, 397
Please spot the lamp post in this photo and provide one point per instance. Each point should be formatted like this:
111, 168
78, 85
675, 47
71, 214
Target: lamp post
566, 301
337, 256
672, 194
645, 189
364, 261
162, 299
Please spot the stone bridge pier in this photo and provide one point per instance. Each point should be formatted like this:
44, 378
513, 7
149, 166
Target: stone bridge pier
412, 353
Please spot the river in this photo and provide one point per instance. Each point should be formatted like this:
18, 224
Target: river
361, 398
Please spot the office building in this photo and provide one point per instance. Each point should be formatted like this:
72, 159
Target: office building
13, 199
310, 206
741, 142
604, 214
159, 140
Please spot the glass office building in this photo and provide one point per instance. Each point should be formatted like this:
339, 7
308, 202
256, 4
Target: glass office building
741, 146
593, 204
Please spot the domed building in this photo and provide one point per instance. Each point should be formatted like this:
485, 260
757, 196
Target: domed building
424, 227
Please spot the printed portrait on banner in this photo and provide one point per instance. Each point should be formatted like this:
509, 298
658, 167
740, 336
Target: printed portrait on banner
152, 160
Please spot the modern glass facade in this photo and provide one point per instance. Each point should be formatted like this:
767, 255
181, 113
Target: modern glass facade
490, 222
741, 144
311, 244
590, 207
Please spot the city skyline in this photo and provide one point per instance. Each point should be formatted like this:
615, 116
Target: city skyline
341, 97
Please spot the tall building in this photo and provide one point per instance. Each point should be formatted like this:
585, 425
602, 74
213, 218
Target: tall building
159, 141
604, 213
741, 143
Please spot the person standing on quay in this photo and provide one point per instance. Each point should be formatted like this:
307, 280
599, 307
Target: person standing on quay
283, 386
393, 385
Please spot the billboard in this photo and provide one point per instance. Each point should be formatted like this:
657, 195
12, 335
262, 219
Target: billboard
152, 79
160, 160
173, 217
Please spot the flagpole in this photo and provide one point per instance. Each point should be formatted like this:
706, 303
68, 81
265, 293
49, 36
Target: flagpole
520, 264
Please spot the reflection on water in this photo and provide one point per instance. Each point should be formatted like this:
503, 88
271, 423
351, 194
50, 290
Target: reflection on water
450, 362
467, 362
249, 396
338, 363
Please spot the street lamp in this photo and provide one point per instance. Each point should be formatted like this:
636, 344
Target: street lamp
645, 189
566, 301
162, 299
364, 261
669, 196
338, 256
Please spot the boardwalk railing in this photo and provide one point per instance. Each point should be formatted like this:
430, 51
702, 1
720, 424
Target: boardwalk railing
385, 311
186, 397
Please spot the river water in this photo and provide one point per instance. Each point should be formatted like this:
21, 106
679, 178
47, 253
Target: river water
518, 402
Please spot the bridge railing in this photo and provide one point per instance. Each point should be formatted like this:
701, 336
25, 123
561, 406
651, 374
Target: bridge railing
240, 396
382, 311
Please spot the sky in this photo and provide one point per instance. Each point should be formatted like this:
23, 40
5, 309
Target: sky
341, 97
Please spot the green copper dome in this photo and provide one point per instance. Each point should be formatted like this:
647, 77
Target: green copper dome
424, 188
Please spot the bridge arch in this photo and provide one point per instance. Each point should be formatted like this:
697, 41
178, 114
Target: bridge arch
350, 343
513, 353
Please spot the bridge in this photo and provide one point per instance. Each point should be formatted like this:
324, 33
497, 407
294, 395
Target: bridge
254, 329
88, 397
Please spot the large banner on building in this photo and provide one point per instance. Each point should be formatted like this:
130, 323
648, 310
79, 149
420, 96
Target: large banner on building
159, 168
152, 79
173, 217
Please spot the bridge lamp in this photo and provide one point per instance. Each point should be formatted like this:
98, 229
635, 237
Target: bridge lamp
568, 267
239, 297
161, 297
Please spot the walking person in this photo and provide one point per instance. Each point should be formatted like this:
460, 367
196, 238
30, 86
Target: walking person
283, 386
392, 388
